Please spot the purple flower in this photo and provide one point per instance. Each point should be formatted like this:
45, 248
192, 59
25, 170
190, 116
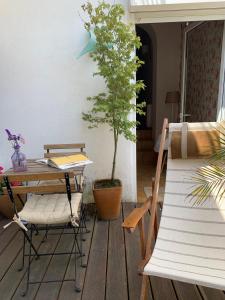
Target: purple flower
22, 140
15, 139
9, 134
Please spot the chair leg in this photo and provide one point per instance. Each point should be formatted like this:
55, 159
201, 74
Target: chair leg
77, 288
81, 230
83, 218
23, 254
30, 242
36, 229
144, 286
80, 248
29, 262
46, 234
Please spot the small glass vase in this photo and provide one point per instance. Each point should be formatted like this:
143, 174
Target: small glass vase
19, 161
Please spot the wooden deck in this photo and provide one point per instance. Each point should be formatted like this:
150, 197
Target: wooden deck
111, 255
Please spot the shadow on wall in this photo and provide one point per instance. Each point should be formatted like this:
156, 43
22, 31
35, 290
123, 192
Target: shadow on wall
150, 91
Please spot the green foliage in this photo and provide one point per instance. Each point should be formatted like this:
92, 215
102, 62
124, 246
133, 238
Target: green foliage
210, 179
117, 64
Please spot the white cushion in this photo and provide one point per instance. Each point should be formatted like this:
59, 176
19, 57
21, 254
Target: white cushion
50, 208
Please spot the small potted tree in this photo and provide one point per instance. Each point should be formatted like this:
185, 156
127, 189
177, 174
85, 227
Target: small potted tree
114, 54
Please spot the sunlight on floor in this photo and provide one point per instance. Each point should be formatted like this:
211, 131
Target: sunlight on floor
145, 172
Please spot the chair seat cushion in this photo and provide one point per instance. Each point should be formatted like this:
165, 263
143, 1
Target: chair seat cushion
50, 208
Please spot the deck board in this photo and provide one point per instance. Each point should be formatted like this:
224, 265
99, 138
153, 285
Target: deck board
67, 288
56, 269
10, 253
7, 236
112, 256
38, 269
186, 291
133, 256
12, 279
211, 294
116, 287
95, 281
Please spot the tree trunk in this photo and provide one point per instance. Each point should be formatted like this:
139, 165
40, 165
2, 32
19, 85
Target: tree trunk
114, 155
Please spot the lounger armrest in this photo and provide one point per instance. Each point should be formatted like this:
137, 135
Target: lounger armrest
142, 265
131, 221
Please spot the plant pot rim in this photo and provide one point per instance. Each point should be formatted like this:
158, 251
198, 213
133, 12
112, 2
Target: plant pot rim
106, 188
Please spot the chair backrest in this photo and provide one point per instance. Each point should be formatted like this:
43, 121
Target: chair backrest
42, 187
62, 149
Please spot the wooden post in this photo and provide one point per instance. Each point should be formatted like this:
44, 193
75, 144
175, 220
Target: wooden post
142, 236
151, 232
144, 287
156, 216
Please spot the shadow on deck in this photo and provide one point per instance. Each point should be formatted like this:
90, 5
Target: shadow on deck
112, 256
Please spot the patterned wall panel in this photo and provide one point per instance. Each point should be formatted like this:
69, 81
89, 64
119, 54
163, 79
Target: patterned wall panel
204, 45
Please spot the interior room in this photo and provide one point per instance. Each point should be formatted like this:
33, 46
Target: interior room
181, 74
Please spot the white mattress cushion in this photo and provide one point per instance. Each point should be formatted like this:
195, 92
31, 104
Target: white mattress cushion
50, 208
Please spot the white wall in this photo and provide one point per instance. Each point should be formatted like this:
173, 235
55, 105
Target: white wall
155, 2
43, 87
167, 67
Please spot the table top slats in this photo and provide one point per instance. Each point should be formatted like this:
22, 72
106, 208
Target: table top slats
36, 171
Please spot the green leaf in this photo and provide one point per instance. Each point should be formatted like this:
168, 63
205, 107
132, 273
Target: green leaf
117, 64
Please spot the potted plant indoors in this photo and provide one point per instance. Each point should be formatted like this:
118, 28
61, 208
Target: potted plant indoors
117, 63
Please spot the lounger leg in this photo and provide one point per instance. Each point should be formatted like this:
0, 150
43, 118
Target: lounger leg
144, 286
142, 237
156, 224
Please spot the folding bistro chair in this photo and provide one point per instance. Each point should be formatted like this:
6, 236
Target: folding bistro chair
56, 150
190, 242
52, 206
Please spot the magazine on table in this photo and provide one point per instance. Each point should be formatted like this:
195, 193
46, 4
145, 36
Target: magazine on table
66, 162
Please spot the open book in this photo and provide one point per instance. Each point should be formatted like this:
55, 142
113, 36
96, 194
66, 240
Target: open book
66, 162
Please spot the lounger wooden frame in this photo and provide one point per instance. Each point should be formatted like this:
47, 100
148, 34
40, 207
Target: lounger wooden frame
136, 218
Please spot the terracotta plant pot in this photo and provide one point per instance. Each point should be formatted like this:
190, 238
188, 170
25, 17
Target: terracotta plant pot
6, 207
108, 201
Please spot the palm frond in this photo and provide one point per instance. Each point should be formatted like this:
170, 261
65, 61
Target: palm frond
209, 182
219, 156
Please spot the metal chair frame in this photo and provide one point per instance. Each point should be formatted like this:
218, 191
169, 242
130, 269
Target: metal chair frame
28, 238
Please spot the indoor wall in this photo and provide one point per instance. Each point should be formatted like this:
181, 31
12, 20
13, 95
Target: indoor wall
204, 47
167, 46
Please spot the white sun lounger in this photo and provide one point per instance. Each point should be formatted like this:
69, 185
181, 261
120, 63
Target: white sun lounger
190, 245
